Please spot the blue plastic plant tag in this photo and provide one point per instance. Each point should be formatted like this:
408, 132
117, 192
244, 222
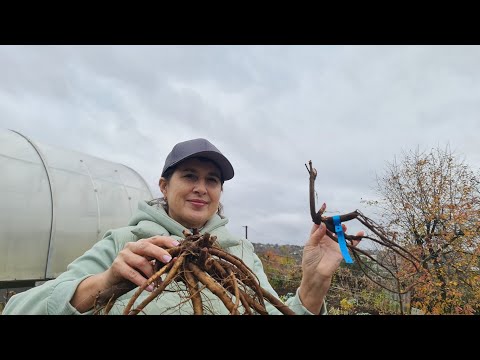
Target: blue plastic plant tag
341, 239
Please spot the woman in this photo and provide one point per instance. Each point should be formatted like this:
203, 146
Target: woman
191, 184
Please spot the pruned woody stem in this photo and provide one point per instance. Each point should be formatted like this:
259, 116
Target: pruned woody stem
373, 268
198, 262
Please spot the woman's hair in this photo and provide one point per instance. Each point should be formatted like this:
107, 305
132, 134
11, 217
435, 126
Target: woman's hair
161, 201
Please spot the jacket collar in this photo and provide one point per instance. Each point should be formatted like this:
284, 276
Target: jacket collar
152, 220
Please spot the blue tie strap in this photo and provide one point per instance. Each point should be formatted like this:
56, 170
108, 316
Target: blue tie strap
341, 239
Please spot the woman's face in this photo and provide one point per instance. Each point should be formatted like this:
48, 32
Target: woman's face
193, 192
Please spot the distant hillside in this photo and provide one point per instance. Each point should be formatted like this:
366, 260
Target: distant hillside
282, 265
293, 251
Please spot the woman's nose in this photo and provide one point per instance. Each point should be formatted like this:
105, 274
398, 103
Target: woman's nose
200, 187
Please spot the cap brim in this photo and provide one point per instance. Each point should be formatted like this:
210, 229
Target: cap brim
220, 160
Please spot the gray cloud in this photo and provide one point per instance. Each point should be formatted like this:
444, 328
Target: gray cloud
270, 109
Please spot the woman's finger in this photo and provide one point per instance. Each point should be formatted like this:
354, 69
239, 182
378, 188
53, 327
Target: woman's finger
163, 241
147, 249
356, 242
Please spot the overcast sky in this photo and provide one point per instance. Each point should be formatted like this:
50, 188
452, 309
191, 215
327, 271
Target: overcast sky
269, 109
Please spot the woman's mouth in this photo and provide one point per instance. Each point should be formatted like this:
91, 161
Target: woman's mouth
198, 203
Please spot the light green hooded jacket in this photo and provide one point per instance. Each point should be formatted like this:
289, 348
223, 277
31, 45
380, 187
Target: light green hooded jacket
53, 297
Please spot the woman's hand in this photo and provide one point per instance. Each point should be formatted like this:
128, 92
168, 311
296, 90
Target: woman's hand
321, 258
134, 262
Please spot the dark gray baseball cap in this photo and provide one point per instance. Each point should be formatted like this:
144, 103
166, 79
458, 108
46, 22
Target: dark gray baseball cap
199, 148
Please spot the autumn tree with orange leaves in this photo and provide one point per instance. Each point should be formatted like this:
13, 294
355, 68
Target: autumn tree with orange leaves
430, 204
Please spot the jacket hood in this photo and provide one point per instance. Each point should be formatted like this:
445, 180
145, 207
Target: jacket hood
150, 220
